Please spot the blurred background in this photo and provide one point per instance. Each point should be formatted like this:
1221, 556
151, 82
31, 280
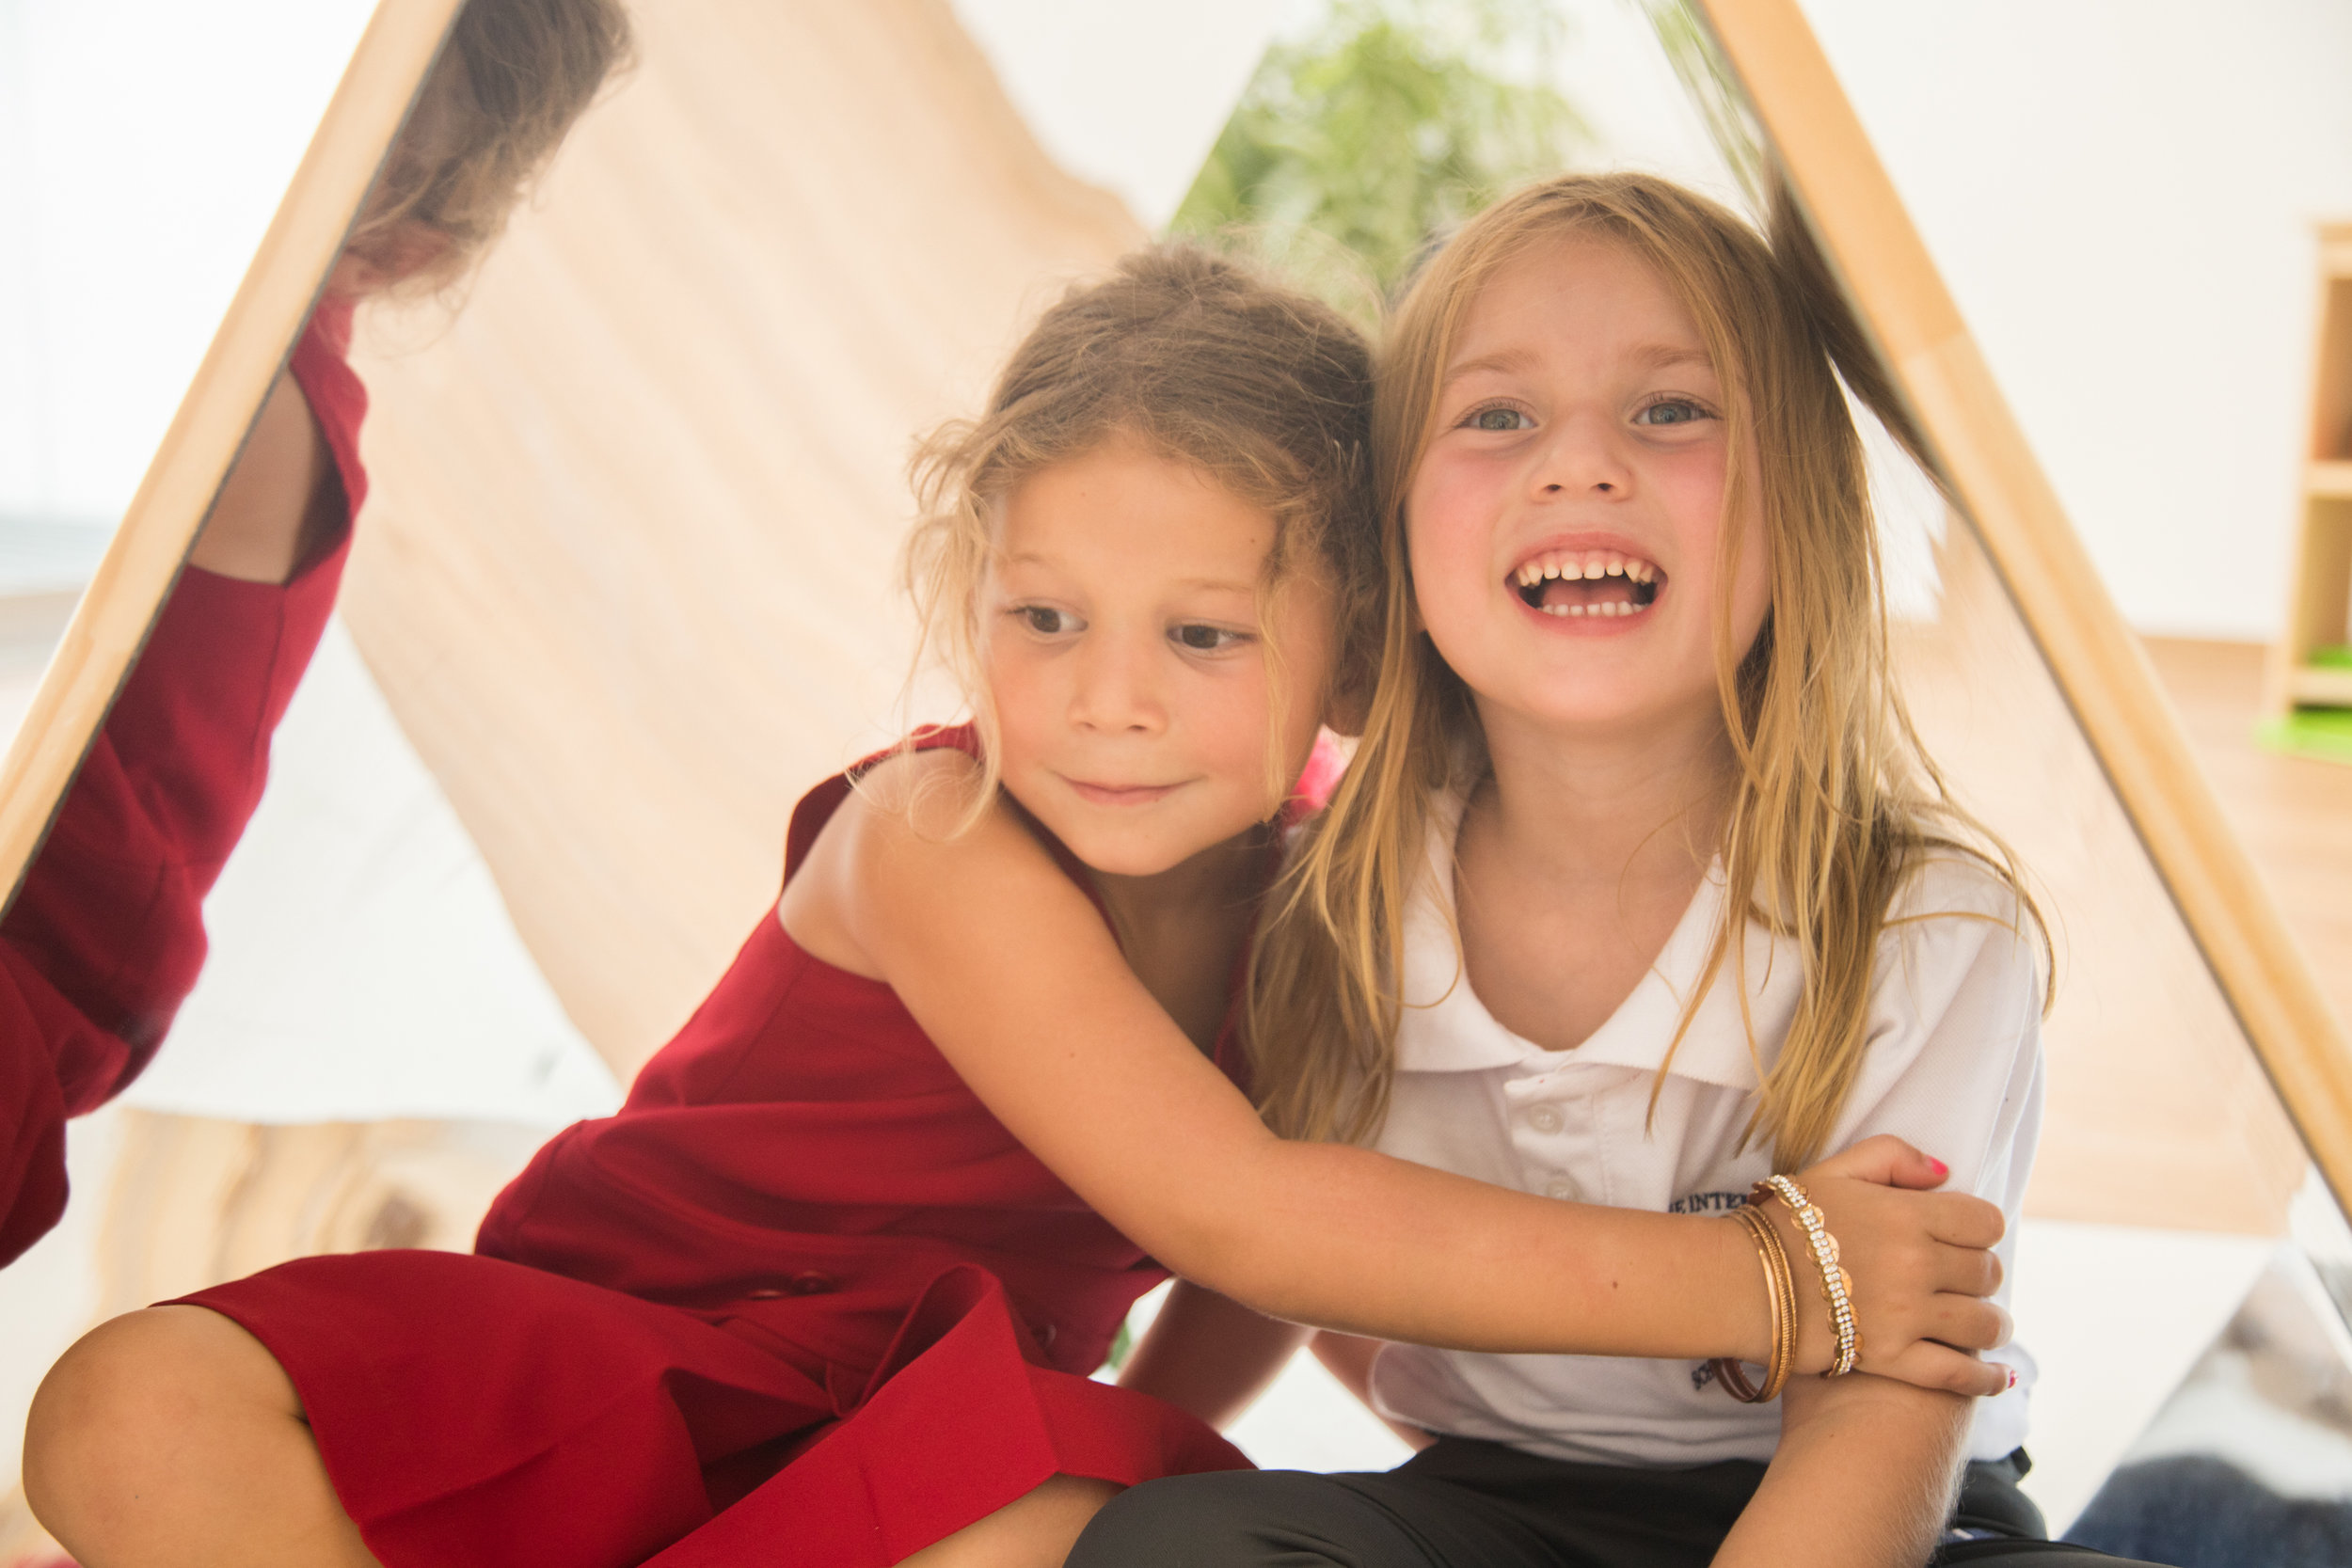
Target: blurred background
2126, 199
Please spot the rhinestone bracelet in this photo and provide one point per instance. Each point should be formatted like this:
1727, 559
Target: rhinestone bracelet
1836, 1284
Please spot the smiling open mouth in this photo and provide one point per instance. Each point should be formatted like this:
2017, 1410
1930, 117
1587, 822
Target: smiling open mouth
1600, 583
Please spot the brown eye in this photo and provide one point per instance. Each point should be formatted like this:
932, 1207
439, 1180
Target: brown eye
1205, 639
1044, 621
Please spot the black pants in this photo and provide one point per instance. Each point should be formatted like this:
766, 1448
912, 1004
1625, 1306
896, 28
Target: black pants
1467, 1504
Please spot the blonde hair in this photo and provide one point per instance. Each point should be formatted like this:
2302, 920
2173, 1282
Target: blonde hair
509, 83
1202, 359
1833, 799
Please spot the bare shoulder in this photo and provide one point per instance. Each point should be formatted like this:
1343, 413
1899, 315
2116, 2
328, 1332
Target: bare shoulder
912, 843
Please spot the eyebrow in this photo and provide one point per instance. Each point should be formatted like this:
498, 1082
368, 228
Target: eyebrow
1503, 360
1659, 356
1651, 357
1217, 585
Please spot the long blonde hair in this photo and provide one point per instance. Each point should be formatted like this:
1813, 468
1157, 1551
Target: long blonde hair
1833, 798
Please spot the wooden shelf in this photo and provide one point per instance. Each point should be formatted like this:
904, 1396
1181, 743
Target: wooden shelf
2319, 598
2320, 685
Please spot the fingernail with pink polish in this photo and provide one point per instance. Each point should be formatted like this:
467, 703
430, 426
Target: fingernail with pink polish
2012, 1377
1941, 1169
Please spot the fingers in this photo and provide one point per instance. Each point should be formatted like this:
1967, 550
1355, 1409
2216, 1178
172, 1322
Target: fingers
1961, 1220
1964, 1323
1928, 1365
1967, 1271
1885, 1160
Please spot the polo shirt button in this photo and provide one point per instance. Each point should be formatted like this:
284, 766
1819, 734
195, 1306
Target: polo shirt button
811, 1284
1561, 1188
1544, 1118
766, 1293
1045, 1333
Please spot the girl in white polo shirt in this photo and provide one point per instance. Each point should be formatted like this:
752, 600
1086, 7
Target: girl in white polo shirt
1639, 890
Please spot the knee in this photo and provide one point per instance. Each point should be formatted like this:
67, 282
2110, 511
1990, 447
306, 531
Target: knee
126, 1403
1206, 1521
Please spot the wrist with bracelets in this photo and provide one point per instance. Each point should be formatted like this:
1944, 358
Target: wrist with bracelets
1780, 1285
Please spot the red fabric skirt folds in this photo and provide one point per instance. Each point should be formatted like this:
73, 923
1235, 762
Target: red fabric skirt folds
802, 1302
473, 1411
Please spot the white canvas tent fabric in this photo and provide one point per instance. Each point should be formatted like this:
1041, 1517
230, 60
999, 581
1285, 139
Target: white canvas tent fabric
363, 965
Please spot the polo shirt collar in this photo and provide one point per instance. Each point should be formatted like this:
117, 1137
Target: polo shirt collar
1446, 1028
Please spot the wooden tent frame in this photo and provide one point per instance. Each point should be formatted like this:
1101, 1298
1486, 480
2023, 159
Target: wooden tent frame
2098, 664
1867, 239
265, 316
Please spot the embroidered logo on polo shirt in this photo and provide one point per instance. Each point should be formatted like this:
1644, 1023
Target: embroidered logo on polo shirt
1707, 1203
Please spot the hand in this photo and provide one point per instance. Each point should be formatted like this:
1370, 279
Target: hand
1920, 1265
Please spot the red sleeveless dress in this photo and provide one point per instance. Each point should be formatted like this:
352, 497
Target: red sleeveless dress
103, 940
802, 1301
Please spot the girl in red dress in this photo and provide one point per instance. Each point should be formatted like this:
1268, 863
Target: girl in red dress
827, 1290
104, 939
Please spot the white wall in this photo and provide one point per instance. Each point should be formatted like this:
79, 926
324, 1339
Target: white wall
143, 148
1129, 97
2120, 194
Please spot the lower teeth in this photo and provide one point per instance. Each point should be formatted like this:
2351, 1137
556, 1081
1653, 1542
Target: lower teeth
1616, 608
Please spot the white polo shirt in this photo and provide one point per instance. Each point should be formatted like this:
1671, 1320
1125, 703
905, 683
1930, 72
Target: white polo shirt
1954, 1067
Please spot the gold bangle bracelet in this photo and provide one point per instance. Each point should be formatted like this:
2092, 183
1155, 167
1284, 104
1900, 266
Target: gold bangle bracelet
1781, 1289
1836, 1284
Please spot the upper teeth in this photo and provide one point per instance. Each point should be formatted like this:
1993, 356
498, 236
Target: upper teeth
1589, 564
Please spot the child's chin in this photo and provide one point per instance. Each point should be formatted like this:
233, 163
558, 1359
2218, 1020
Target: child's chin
1596, 712
1114, 854
1130, 859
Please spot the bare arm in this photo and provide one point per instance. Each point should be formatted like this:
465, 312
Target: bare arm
1043, 1019
1210, 1355
279, 501
1863, 1477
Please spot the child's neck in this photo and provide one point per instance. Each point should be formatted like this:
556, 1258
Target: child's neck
1576, 859
1182, 928
1584, 803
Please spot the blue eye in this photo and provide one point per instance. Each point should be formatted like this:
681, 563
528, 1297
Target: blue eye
1672, 411
1498, 418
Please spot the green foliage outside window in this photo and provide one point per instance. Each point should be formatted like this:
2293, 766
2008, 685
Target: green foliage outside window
1356, 145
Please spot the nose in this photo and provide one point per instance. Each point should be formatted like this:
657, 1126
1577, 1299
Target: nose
1116, 690
1583, 457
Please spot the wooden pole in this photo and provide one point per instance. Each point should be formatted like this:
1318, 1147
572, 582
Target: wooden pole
265, 316
2096, 661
